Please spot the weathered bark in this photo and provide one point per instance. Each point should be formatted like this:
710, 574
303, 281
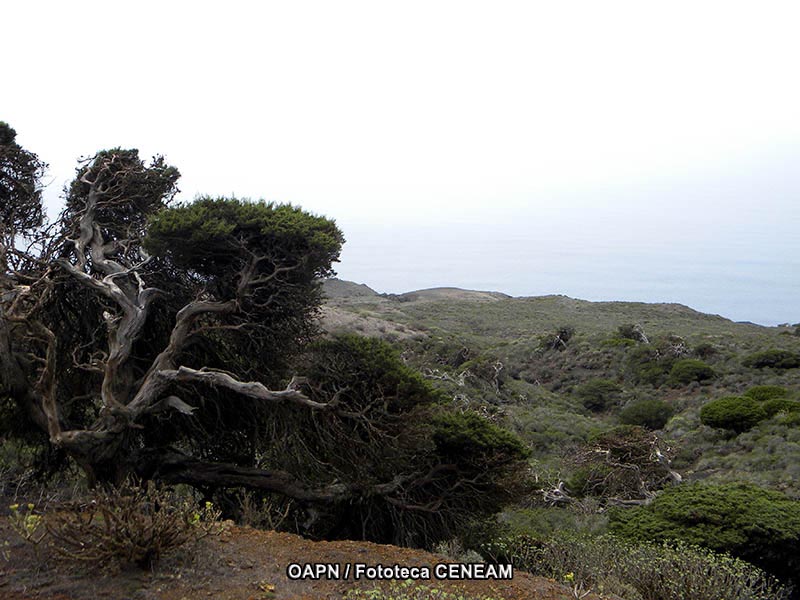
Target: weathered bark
108, 263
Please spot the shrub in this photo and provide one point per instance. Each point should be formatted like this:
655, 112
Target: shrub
780, 405
631, 331
766, 392
131, 524
733, 413
635, 570
597, 394
651, 414
652, 363
391, 430
755, 524
704, 350
687, 370
774, 358
624, 463
558, 339
617, 342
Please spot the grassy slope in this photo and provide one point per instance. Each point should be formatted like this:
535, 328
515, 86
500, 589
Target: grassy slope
536, 388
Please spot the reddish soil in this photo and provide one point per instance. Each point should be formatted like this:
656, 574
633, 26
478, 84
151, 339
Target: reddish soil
241, 563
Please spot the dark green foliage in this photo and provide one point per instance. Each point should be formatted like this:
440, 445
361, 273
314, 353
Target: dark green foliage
598, 394
758, 525
557, 340
370, 368
651, 414
388, 425
687, 370
780, 405
773, 358
733, 413
471, 438
704, 350
766, 392
214, 236
138, 190
219, 243
790, 419
20, 188
623, 463
487, 369
631, 331
652, 363
645, 364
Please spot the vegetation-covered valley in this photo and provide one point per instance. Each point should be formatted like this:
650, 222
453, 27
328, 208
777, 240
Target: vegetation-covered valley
647, 421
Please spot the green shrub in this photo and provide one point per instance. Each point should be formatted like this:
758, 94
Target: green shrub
791, 419
766, 392
390, 424
620, 464
687, 370
470, 437
631, 331
755, 524
598, 394
704, 350
774, 358
780, 405
558, 339
733, 413
652, 414
635, 570
617, 342
647, 364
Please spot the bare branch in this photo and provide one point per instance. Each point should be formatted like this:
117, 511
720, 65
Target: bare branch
252, 389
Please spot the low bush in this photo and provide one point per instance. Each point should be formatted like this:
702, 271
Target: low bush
651, 414
131, 524
766, 392
652, 363
773, 358
617, 342
622, 464
635, 570
558, 339
598, 394
733, 413
704, 350
631, 331
752, 523
780, 405
687, 370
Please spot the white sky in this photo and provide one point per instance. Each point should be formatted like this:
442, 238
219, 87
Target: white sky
490, 116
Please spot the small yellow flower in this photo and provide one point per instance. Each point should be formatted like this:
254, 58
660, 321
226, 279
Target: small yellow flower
30, 506
569, 577
14, 507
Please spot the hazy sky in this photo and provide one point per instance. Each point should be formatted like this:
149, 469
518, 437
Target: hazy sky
586, 148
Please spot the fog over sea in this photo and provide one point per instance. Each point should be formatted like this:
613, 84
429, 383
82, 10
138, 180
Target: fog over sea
727, 245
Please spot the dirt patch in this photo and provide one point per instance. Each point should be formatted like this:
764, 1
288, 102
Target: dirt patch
240, 564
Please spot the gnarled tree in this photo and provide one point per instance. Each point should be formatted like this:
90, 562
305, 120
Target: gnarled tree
153, 339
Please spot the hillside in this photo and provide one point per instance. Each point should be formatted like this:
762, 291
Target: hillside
486, 348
